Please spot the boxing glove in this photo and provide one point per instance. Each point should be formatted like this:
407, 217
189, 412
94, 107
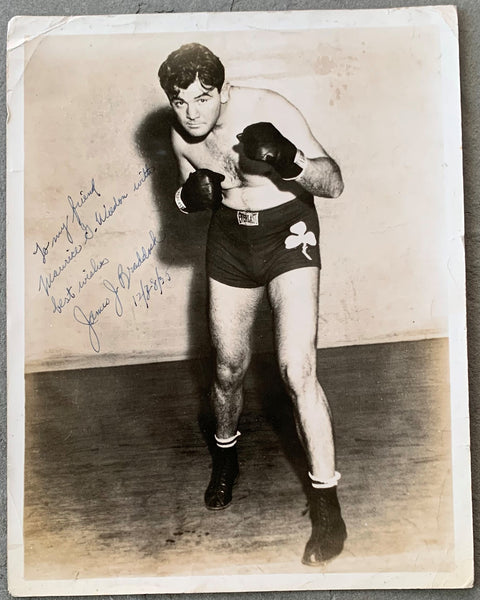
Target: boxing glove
201, 191
263, 141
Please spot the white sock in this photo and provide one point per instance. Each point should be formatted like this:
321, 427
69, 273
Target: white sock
318, 484
229, 442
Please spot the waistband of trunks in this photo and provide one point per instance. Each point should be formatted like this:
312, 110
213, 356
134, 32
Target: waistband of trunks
267, 215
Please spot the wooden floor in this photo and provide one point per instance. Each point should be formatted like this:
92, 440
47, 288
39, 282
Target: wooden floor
117, 461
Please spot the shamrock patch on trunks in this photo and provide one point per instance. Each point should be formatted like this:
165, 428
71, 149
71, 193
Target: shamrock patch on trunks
300, 237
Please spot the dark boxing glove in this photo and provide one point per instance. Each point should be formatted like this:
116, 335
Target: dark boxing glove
263, 141
201, 191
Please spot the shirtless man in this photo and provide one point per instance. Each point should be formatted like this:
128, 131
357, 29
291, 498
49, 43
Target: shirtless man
249, 156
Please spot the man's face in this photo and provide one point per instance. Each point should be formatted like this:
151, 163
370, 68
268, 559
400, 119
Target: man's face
197, 108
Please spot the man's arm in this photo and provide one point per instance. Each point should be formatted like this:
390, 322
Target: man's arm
321, 177
287, 143
184, 165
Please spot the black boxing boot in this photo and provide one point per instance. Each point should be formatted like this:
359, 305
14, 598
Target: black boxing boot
225, 471
328, 527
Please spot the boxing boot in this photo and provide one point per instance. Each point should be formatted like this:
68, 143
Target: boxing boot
218, 494
328, 528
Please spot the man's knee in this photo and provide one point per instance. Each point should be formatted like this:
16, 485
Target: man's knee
299, 374
230, 372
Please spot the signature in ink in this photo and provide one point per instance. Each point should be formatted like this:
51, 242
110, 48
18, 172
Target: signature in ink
90, 321
118, 302
124, 274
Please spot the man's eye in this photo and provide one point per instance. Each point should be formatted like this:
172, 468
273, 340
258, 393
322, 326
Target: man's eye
202, 100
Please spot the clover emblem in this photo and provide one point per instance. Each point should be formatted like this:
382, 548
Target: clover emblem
300, 237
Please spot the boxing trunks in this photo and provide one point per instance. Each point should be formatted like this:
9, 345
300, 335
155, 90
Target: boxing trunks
248, 249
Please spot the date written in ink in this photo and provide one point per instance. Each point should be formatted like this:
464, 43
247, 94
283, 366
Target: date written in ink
147, 289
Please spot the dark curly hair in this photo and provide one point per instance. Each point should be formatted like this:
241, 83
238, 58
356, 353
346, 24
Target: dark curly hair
182, 66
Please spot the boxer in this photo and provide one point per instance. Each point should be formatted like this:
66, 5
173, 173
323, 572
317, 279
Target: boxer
249, 156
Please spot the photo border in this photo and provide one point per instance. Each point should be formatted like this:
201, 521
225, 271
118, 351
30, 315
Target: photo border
23, 28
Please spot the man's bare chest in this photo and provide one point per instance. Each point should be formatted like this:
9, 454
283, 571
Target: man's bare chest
219, 153
224, 154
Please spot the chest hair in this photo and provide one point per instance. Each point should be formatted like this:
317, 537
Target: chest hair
219, 150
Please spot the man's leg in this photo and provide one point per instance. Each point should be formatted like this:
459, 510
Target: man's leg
294, 299
232, 314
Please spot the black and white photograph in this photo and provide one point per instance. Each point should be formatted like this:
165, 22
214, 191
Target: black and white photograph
236, 303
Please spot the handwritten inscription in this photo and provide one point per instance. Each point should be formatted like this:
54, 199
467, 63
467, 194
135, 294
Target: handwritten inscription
60, 303
125, 273
94, 268
144, 175
147, 289
75, 205
102, 216
74, 218
45, 282
114, 289
63, 228
91, 320
118, 284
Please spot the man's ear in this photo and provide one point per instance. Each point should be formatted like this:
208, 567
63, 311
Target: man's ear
225, 92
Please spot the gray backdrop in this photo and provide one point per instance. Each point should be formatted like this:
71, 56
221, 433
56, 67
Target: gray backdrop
469, 19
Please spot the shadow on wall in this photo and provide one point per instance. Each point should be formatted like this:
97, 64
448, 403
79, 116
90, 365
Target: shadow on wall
184, 235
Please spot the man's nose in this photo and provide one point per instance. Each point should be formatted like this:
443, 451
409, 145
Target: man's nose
192, 112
